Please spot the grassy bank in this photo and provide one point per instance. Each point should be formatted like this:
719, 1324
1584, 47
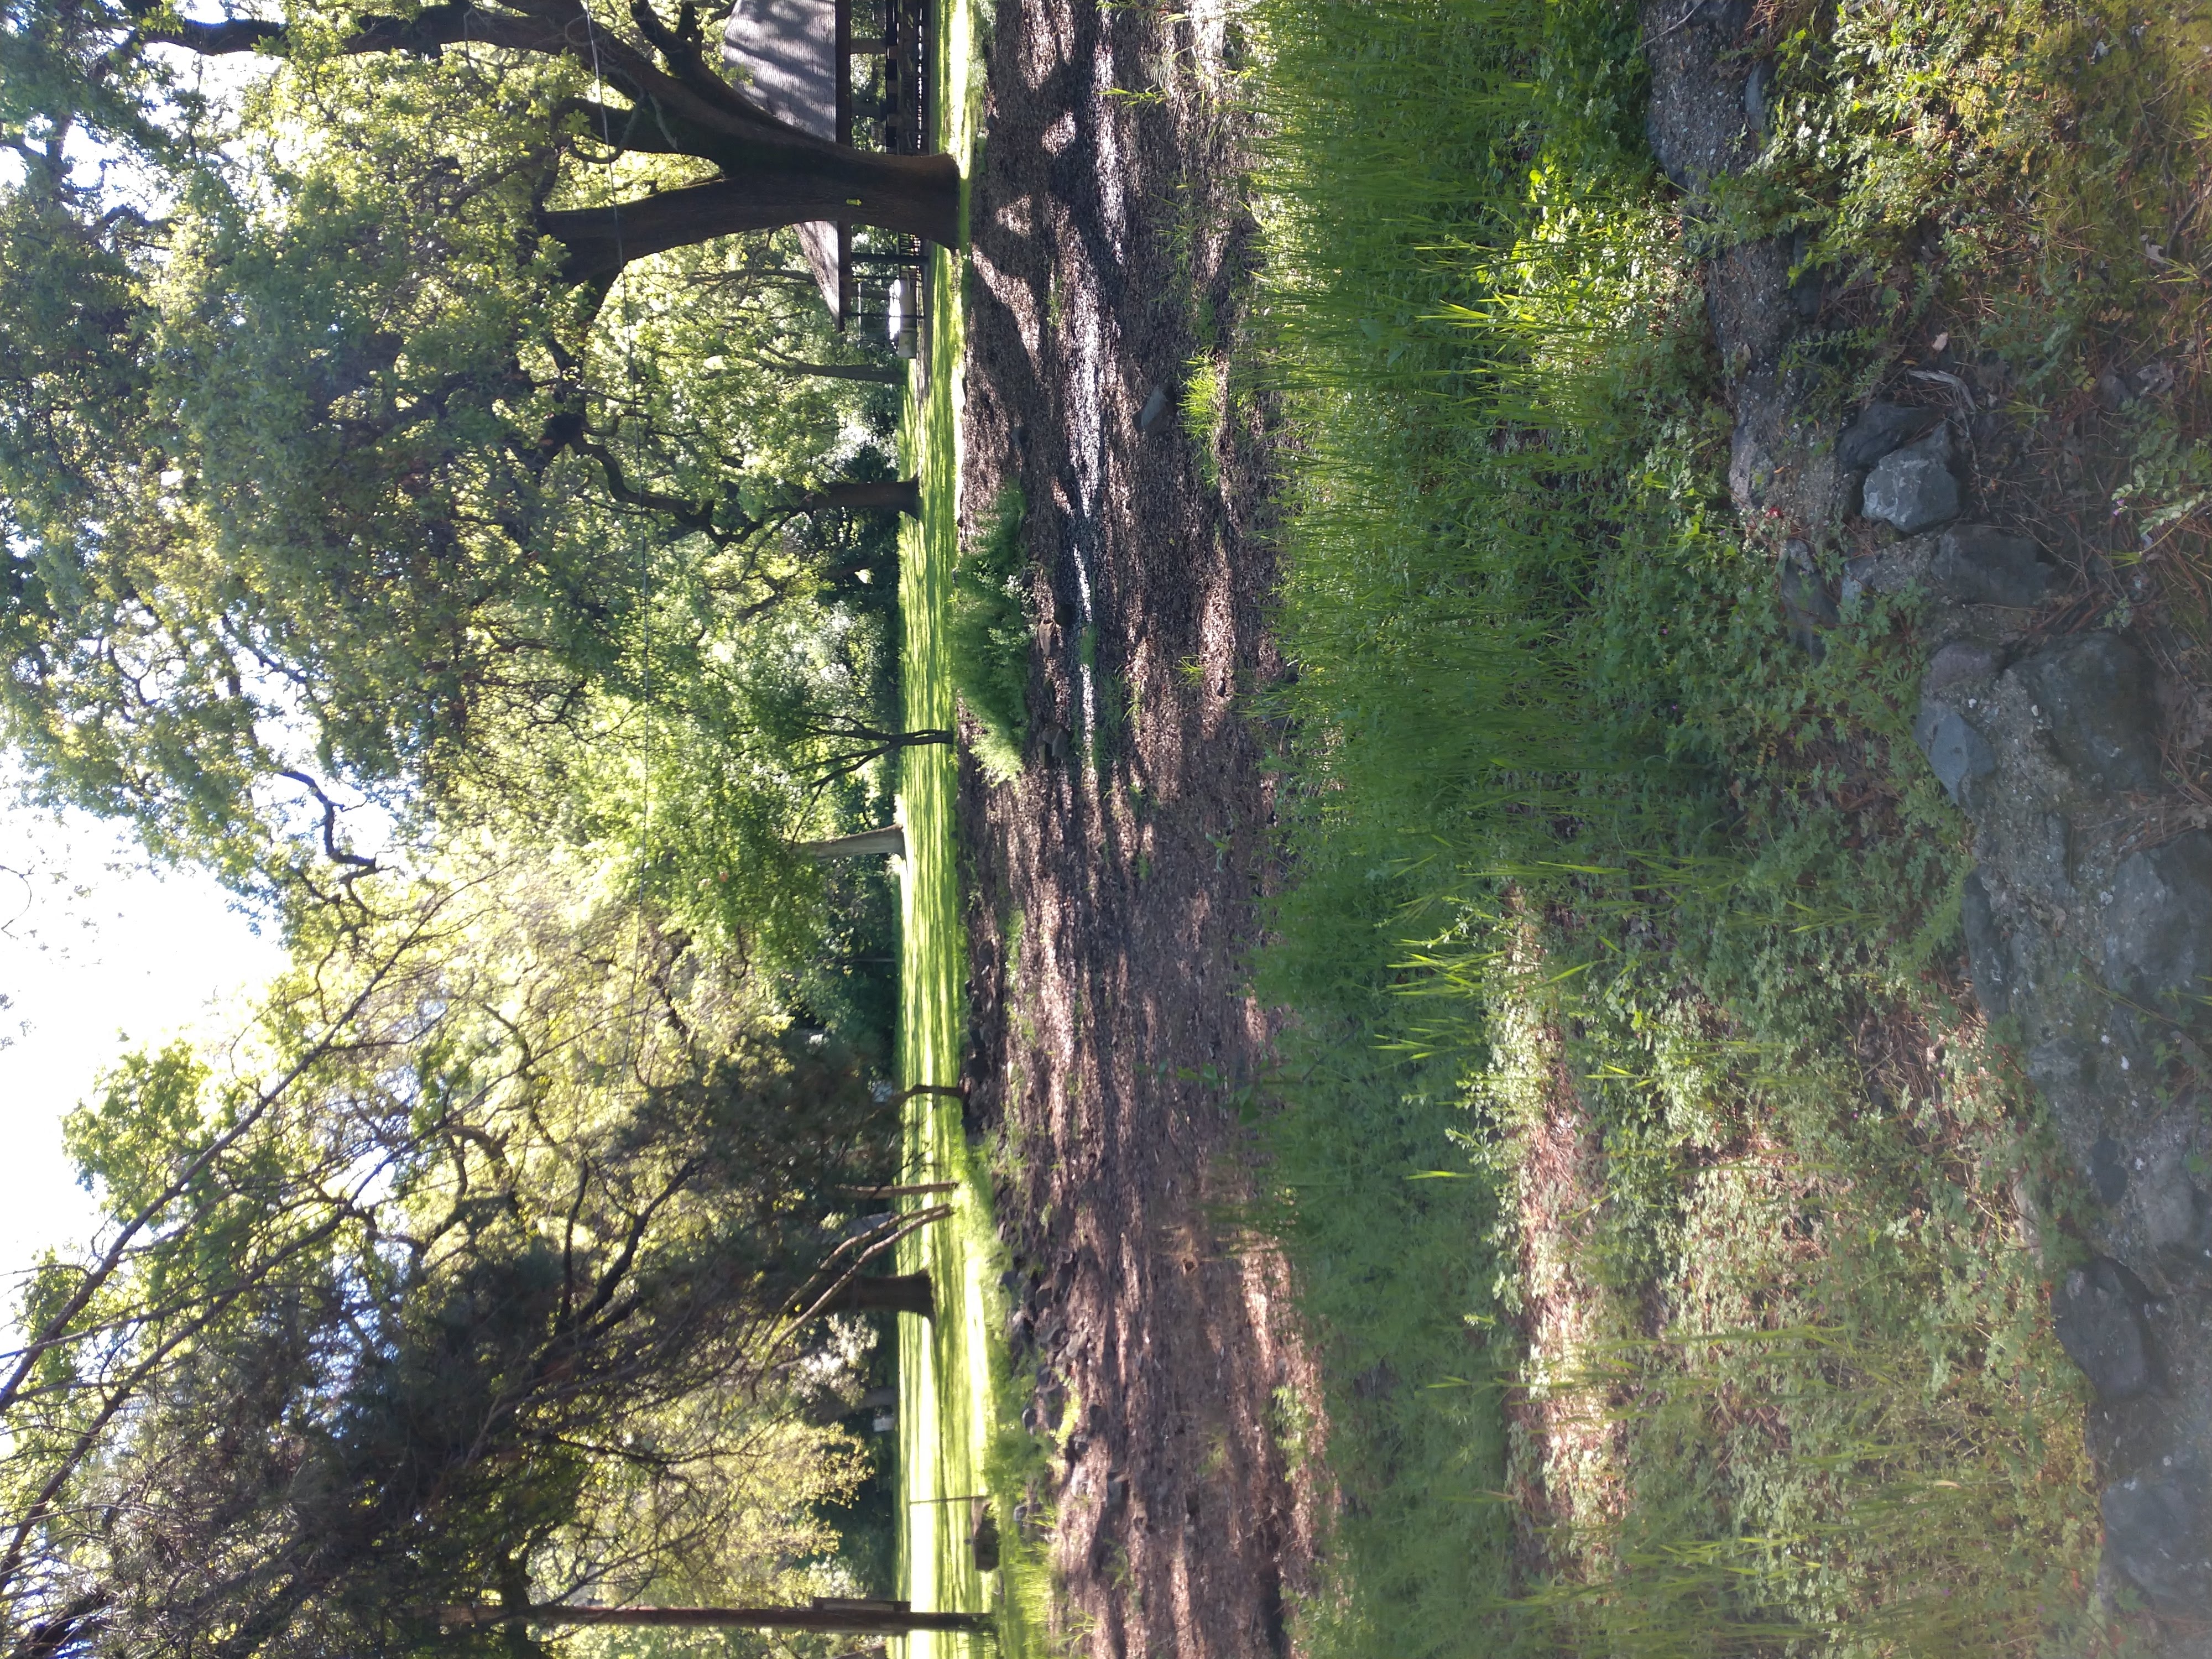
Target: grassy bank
959, 1433
1654, 1190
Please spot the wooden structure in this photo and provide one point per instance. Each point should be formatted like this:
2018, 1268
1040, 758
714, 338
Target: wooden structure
796, 57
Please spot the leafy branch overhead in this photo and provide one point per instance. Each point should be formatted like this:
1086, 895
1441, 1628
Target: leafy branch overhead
491, 1275
396, 396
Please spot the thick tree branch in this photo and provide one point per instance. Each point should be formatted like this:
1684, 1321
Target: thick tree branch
233, 34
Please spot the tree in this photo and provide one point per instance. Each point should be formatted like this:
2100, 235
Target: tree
369, 408
484, 1288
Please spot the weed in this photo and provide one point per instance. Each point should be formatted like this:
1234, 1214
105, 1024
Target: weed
988, 637
1205, 413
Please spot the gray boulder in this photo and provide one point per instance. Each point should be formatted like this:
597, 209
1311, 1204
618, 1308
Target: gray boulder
1975, 564
2157, 930
1881, 428
2092, 694
1961, 659
1959, 754
2097, 1311
2151, 1539
1912, 487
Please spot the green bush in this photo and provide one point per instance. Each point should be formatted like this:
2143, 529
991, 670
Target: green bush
990, 637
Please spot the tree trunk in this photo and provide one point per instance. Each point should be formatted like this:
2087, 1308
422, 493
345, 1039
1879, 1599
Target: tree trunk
901, 494
840, 372
792, 181
860, 1618
890, 1293
867, 844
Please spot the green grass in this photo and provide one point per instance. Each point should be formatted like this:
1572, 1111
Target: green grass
989, 636
957, 1410
1578, 832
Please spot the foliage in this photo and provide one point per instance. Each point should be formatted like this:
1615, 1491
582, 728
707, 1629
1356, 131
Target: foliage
502, 1169
328, 475
989, 636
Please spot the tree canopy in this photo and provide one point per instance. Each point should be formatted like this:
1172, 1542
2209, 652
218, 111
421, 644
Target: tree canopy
409, 383
468, 1275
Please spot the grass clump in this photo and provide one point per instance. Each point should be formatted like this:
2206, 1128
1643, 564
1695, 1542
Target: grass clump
988, 637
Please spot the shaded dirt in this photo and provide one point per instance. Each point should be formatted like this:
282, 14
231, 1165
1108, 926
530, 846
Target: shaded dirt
1112, 889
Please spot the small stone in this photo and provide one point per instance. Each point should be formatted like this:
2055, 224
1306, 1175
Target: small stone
1806, 603
2151, 379
1975, 564
1988, 955
2149, 1529
2097, 1311
2158, 929
1881, 428
1959, 754
1155, 406
1958, 661
1912, 487
1754, 96
2095, 695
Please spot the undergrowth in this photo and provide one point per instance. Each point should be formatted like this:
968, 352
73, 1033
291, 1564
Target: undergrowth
1656, 1198
989, 636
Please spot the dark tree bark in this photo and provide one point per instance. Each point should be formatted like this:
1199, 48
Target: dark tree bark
860, 1618
890, 1293
893, 494
773, 174
796, 367
789, 182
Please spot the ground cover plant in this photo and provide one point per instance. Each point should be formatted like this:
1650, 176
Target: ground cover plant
1709, 1312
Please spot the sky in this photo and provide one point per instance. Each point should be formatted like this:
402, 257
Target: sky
98, 952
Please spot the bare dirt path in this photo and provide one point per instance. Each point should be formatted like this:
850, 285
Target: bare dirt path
1113, 890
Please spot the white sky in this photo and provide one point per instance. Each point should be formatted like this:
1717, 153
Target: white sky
97, 953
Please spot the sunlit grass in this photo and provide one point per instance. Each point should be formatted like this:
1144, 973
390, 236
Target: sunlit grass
951, 1411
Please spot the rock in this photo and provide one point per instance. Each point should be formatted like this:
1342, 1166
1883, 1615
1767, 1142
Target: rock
1959, 754
2150, 1538
1880, 426
2157, 930
2046, 853
2171, 1206
2097, 1313
1912, 487
2108, 1170
1975, 564
1156, 404
1988, 956
2093, 695
1810, 609
1961, 659
1754, 96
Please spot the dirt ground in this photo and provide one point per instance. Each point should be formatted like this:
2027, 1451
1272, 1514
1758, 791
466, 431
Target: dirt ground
1113, 889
